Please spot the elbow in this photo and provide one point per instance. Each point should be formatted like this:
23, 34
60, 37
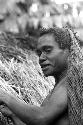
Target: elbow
37, 121
42, 118
40, 121
37, 118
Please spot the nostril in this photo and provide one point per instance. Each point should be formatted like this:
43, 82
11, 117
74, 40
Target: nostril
43, 56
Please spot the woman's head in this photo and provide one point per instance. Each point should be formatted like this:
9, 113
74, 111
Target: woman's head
53, 49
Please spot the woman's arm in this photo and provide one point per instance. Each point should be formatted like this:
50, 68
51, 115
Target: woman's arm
17, 121
8, 113
34, 115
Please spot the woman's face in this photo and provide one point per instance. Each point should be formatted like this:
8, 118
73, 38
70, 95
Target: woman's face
51, 58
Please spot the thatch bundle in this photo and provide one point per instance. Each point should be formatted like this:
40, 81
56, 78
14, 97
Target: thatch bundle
75, 82
20, 72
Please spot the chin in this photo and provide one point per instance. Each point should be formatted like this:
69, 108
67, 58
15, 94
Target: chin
46, 74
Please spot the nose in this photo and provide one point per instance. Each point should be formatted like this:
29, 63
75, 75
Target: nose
42, 58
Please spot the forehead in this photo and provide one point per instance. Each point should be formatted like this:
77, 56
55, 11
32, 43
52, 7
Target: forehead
47, 40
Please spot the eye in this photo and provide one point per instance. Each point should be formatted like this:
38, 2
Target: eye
48, 50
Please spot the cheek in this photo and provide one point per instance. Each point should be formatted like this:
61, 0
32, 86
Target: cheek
53, 60
57, 61
55, 57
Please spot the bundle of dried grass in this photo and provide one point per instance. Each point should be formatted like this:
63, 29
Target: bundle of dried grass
20, 72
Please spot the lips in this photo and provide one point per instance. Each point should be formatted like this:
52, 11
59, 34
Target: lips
44, 66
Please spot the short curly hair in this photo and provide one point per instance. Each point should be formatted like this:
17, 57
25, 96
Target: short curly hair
61, 35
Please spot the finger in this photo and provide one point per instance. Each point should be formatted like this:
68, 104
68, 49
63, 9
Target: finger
1, 103
5, 111
3, 106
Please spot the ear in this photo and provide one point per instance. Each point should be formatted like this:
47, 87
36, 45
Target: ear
66, 53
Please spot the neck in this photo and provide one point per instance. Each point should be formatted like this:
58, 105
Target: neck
60, 76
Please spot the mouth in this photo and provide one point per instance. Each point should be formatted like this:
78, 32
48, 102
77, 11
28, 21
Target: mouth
44, 67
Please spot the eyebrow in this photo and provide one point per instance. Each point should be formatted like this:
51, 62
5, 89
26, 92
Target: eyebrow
47, 46
44, 47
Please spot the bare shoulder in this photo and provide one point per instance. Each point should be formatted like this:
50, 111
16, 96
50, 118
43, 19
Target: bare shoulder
59, 92
58, 96
56, 103
60, 87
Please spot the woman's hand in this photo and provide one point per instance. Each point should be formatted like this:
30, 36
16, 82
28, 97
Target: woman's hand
6, 111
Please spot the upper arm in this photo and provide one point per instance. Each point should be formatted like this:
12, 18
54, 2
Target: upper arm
56, 104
